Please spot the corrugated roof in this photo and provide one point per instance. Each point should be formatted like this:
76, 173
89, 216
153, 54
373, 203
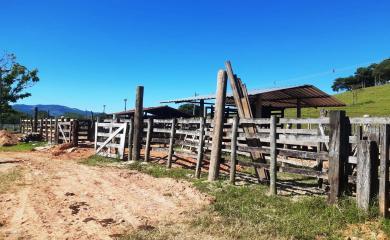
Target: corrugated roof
286, 97
157, 111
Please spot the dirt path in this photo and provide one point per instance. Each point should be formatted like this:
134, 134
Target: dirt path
61, 199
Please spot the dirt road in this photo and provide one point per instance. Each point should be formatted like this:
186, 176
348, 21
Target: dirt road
58, 198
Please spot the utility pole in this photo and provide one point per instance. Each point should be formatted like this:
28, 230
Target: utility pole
125, 103
104, 108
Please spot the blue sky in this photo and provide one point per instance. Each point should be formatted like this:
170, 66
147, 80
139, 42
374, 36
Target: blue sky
91, 53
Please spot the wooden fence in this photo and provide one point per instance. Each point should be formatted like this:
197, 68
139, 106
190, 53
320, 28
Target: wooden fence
59, 130
346, 154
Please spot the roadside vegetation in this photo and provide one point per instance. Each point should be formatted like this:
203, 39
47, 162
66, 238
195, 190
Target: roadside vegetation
22, 147
247, 212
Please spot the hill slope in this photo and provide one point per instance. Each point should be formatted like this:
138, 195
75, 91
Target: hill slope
374, 101
55, 110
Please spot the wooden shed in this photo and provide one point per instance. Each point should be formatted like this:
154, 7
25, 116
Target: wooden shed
271, 100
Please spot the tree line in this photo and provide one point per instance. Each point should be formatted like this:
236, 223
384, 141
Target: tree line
373, 75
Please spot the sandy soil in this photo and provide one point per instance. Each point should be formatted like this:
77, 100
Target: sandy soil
61, 199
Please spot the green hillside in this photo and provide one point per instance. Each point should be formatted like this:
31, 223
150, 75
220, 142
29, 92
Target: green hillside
374, 101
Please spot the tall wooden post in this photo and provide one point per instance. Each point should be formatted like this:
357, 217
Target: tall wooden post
75, 133
148, 139
338, 154
201, 108
367, 173
299, 112
199, 158
171, 143
35, 125
56, 135
138, 123
272, 170
130, 139
218, 126
46, 130
41, 127
233, 153
384, 171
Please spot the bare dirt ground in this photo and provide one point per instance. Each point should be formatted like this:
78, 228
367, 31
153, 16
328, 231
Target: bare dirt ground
61, 199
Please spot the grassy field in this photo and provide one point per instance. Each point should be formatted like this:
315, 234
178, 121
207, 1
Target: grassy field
373, 101
247, 212
22, 147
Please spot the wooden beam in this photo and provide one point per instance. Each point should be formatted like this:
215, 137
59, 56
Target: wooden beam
171, 143
148, 139
273, 156
367, 173
130, 139
384, 171
233, 153
338, 154
218, 126
199, 158
138, 123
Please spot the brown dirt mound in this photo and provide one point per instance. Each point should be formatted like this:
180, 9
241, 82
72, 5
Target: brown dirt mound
60, 149
7, 138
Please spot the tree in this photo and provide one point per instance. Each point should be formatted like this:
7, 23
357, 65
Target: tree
14, 80
189, 109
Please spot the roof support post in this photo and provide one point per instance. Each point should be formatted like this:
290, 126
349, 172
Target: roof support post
299, 111
201, 108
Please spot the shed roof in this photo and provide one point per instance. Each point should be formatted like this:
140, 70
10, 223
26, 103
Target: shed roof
158, 112
280, 97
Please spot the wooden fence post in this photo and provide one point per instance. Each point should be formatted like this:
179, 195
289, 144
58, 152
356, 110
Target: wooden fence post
35, 125
56, 135
218, 126
96, 132
75, 133
148, 139
273, 156
199, 158
367, 173
338, 154
171, 143
130, 139
233, 153
384, 172
21, 125
41, 127
138, 123
46, 131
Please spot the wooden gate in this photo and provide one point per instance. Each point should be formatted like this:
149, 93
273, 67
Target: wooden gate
110, 139
65, 131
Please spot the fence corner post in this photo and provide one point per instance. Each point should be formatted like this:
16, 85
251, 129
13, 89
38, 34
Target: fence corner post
338, 154
138, 123
218, 126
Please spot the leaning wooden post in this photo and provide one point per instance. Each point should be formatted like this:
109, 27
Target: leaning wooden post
138, 123
338, 154
233, 153
367, 173
171, 143
35, 125
384, 172
218, 126
272, 170
130, 139
199, 158
75, 133
148, 139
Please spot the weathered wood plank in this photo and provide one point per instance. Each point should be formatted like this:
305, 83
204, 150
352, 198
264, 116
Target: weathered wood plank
171, 143
199, 159
272, 170
233, 153
384, 171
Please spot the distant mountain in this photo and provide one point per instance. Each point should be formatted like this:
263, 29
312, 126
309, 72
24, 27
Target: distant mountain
55, 110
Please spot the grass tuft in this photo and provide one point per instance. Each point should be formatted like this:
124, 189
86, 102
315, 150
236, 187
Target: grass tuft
22, 147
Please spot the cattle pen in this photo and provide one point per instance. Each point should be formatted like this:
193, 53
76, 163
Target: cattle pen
346, 156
